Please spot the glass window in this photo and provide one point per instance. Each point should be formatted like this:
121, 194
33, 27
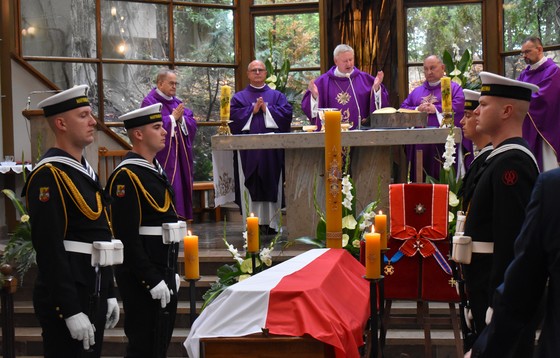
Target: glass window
68, 74
200, 89
125, 86
430, 31
523, 18
134, 30
204, 34
294, 36
217, 2
47, 29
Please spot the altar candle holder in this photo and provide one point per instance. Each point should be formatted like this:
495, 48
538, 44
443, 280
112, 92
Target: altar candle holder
253, 262
448, 119
223, 129
192, 298
374, 283
382, 304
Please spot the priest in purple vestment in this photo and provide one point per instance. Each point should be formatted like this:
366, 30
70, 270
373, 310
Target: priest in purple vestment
176, 158
357, 94
427, 98
260, 109
541, 127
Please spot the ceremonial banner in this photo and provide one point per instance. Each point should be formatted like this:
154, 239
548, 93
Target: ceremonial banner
320, 293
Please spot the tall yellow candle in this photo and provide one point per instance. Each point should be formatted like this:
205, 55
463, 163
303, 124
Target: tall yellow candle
252, 233
190, 247
225, 97
333, 177
373, 255
446, 94
381, 228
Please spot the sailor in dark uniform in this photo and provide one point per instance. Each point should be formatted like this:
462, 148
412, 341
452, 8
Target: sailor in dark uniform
481, 143
144, 218
73, 300
503, 189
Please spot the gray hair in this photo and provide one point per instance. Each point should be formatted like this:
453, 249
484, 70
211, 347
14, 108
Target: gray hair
341, 49
162, 74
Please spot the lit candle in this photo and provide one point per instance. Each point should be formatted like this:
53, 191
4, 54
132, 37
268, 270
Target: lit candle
252, 233
225, 98
333, 177
446, 94
381, 227
190, 244
373, 255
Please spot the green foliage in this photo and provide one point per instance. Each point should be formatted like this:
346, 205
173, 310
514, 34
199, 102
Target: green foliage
449, 177
19, 250
460, 71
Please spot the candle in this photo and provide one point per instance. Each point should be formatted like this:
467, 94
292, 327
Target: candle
446, 94
373, 255
225, 102
252, 233
190, 247
333, 177
381, 227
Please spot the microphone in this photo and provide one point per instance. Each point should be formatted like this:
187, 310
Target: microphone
37, 92
356, 100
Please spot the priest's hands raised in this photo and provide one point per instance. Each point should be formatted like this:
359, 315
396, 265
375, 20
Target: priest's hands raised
378, 81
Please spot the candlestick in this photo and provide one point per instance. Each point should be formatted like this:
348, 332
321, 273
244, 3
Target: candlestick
446, 94
373, 255
252, 233
190, 247
381, 228
333, 169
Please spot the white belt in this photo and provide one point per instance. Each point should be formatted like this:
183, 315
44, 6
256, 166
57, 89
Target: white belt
150, 230
481, 247
103, 253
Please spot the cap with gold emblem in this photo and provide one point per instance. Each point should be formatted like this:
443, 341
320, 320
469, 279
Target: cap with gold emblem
471, 99
499, 86
139, 117
66, 100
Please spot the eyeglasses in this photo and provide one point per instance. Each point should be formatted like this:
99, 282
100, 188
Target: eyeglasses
257, 70
173, 84
526, 52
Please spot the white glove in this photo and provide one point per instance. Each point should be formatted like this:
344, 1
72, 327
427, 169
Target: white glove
113, 313
161, 292
468, 317
81, 329
489, 313
178, 281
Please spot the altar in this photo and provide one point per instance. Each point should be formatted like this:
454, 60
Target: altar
372, 165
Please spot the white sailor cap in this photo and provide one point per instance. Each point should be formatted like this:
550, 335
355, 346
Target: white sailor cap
66, 100
471, 99
141, 116
499, 86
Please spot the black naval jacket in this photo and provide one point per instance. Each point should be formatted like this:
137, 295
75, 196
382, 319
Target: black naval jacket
497, 210
66, 280
141, 203
468, 185
536, 263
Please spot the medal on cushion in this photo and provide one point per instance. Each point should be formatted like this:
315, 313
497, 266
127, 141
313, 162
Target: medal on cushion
389, 269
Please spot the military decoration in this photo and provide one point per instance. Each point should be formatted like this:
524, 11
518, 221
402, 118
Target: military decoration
44, 194
120, 191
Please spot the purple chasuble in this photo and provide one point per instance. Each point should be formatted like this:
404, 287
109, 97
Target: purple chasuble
433, 153
261, 168
544, 109
336, 92
176, 158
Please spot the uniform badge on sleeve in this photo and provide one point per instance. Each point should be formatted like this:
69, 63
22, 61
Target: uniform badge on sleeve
509, 177
44, 194
120, 191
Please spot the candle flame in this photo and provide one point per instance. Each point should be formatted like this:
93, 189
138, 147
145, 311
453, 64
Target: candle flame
372, 229
380, 212
189, 233
252, 215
